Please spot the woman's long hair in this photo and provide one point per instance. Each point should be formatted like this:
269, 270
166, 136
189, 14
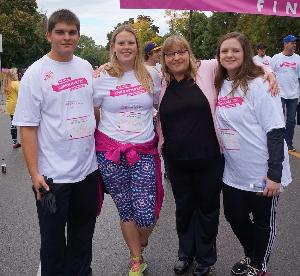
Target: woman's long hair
179, 41
247, 71
8, 77
116, 69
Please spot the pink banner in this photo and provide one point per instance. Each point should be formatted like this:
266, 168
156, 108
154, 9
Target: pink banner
270, 7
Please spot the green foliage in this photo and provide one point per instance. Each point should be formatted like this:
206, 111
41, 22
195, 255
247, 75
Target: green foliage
88, 50
217, 25
268, 29
144, 27
22, 28
206, 31
190, 27
22, 32
109, 35
146, 30
28, 6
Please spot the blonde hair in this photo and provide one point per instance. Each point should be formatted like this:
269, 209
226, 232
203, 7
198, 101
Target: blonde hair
170, 42
116, 69
8, 77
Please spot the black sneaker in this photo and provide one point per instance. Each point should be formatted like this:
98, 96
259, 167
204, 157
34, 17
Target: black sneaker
182, 265
291, 149
253, 271
241, 267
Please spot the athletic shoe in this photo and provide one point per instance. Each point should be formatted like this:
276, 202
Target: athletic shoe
17, 145
182, 265
291, 149
252, 271
241, 267
137, 266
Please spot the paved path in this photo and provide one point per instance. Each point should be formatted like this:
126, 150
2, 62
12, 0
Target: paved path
19, 237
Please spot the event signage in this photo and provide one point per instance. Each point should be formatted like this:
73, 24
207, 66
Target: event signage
267, 7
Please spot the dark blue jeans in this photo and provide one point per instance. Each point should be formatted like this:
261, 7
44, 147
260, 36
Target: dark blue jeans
76, 207
289, 109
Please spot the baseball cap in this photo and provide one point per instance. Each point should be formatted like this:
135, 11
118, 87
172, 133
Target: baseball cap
290, 38
151, 46
260, 45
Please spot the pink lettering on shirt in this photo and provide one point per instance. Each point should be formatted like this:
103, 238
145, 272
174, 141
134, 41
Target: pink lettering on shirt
266, 62
68, 83
48, 75
287, 64
127, 89
229, 102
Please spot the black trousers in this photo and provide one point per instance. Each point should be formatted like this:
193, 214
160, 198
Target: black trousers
13, 131
76, 206
196, 186
256, 234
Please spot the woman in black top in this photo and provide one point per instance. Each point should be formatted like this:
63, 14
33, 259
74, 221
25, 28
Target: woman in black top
194, 158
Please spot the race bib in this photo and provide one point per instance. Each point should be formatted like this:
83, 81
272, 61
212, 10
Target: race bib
131, 122
80, 127
230, 139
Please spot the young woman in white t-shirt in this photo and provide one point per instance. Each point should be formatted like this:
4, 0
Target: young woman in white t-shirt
251, 128
126, 144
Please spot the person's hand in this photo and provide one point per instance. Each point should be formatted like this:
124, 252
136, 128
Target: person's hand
273, 84
38, 182
272, 188
101, 69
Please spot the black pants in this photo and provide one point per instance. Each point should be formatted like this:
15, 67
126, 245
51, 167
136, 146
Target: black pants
13, 131
256, 235
76, 206
196, 186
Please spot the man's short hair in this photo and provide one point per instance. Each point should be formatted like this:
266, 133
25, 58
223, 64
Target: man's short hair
261, 45
65, 16
290, 38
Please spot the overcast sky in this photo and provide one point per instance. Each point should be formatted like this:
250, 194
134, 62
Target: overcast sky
98, 17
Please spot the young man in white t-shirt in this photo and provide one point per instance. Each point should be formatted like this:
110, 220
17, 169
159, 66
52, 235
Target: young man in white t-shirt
261, 56
55, 114
286, 66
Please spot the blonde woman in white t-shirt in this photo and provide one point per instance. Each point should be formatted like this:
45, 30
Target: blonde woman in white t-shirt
126, 144
251, 127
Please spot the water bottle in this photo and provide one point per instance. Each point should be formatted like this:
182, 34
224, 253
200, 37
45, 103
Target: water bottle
3, 166
260, 186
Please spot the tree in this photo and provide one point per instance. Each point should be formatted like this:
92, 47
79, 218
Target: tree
146, 30
218, 25
268, 29
28, 6
88, 50
199, 25
109, 35
179, 23
23, 34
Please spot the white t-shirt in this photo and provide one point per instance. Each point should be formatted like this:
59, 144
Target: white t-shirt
157, 76
57, 97
126, 108
266, 60
243, 123
287, 70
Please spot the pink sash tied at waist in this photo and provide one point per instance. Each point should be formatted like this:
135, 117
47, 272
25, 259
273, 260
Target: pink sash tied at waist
113, 150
